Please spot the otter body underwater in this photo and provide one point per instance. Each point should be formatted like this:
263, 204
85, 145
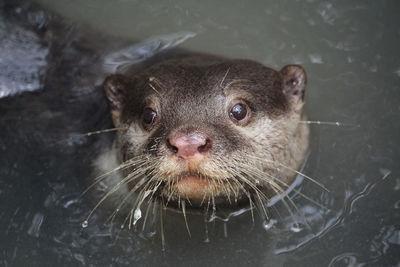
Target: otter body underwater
204, 132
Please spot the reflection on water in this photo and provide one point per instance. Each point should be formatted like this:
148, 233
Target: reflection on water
350, 52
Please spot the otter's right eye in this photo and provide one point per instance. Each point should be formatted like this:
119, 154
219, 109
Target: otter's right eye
149, 116
240, 112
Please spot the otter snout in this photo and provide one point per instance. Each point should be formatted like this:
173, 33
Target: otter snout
188, 145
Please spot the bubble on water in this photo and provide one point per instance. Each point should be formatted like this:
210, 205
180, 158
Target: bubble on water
37, 222
296, 228
85, 224
267, 224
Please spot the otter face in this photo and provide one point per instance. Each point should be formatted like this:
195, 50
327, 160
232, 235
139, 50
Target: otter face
209, 130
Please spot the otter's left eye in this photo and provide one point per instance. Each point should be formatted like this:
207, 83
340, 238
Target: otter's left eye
149, 116
240, 113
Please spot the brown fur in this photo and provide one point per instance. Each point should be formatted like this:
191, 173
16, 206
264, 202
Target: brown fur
252, 161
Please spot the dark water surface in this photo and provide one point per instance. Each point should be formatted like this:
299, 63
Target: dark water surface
50, 66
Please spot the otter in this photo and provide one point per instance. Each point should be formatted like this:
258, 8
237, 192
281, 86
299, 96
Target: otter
201, 130
193, 128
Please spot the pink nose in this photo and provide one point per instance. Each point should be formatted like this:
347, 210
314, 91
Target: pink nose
189, 145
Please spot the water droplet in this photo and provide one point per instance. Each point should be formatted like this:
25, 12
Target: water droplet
85, 224
267, 224
137, 215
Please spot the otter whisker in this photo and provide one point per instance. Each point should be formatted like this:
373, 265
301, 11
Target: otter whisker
281, 193
123, 201
130, 219
188, 200
293, 170
139, 200
224, 181
157, 82
285, 184
102, 131
248, 182
154, 89
204, 198
239, 185
333, 123
122, 166
145, 192
116, 187
206, 226
251, 207
162, 228
171, 192
101, 201
260, 195
184, 215
226, 186
137, 173
260, 175
303, 195
223, 78
156, 188
228, 194
236, 81
142, 196
261, 204
208, 204
213, 203
147, 213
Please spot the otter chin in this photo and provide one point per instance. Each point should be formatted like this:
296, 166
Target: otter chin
205, 130
194, 187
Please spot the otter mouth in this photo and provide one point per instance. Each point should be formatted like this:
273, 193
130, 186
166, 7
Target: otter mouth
196, 186
193, 176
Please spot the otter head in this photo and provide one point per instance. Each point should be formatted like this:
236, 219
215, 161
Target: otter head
209, 130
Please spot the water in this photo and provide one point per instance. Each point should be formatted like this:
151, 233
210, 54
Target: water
350, 52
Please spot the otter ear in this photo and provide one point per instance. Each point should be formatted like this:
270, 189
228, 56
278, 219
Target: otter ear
114, 87
294, 81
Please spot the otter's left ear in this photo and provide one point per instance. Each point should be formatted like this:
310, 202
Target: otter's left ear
294, 81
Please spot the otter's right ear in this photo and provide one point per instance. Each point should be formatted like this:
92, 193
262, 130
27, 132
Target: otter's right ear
294, 81
114, 87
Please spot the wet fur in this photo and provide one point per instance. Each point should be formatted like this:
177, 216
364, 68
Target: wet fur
248, 163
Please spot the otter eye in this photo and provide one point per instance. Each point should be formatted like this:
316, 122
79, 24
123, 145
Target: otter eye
149, 116
239, 113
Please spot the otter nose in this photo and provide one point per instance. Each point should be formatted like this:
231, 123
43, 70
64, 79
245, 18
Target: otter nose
188, 145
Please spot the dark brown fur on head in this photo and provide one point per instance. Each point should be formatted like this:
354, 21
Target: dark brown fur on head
204, 128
